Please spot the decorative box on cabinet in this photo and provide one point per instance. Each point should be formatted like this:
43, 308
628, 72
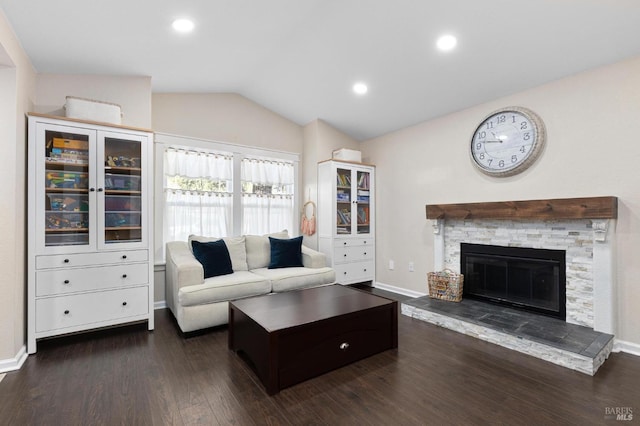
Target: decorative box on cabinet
90, 227
346, 219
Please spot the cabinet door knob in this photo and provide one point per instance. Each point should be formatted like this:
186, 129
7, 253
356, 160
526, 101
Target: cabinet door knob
345, 272
124, 303
66, 281
92, 189
344, 346
345, 255
124, 256
100, 189
345, 243
66, 312
365, 253
66, 261
365, 269
124, 275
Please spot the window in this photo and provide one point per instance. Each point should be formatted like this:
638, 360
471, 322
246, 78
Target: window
221, 193
198, 194
267, 195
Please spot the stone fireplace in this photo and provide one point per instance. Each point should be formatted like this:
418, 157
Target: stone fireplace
583, 229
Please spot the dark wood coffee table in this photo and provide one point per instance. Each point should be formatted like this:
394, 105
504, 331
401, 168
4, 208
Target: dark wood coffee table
292, 336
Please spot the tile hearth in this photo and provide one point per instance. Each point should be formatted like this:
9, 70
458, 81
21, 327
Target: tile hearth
573, 346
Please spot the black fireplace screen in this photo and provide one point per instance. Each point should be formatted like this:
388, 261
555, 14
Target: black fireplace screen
525, 278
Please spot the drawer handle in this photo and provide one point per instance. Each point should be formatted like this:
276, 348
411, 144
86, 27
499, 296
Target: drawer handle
124, 256
66, 312
344, 346
66, 281
124, 275
124, 303
66, 261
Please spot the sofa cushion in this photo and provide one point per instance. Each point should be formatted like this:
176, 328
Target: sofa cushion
259, 249
214, 258
285, 279
235, 245
223, 288
285, 253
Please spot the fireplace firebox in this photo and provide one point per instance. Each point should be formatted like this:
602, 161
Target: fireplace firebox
524, 278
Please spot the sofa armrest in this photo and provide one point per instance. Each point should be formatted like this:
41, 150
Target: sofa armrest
312, 258
182, 270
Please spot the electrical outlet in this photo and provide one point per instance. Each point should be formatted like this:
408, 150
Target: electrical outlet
411, 267
391, 265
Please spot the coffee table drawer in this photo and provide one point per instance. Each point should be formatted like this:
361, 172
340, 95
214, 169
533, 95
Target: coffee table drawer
334, 343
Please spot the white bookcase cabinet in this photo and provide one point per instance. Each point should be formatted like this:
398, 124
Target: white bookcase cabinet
346, 219
90, 222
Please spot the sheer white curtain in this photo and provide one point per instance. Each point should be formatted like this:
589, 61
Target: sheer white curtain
267, 199
197, 194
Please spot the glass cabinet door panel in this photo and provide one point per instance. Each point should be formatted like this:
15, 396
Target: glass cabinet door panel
66, 188
343, 201
122, 190
363, 198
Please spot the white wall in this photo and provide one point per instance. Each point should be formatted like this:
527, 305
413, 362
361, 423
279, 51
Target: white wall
593, 126
224, 117
132, 93
17, 86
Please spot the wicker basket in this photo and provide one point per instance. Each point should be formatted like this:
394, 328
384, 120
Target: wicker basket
445, 285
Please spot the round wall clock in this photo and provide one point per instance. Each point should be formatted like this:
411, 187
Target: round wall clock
507, 141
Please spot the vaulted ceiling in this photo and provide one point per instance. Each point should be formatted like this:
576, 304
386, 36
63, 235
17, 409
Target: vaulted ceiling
300, 58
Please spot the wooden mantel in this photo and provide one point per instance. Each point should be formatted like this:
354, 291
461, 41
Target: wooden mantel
562, 208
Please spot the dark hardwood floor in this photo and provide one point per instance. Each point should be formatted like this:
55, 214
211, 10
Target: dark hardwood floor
130, 376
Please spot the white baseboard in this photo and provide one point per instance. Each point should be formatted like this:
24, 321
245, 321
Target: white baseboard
398, 290
160, 304
13, 364
626, 347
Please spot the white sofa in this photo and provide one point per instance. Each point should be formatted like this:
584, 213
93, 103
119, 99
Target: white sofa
199, 303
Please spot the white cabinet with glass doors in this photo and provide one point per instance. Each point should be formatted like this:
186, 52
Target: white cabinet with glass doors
346, 219
90, 226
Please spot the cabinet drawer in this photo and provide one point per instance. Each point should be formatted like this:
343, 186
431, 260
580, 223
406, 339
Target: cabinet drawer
351, 254
57, 313
86, 259
354, 272
332, 343
61, 281
352, 242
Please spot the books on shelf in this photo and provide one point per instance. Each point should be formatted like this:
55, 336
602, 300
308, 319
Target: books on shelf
363, 215
344, 217
363, 181
343, 180
342, 196
363, 198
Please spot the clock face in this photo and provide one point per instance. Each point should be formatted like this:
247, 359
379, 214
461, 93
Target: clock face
507, 141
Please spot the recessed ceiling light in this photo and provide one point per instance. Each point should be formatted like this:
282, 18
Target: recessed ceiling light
183, 25
360, 88
446, 42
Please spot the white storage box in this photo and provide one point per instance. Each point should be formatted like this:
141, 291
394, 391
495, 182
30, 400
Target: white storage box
89, 109
347, 155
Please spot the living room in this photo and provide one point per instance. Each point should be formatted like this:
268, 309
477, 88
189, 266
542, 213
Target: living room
590, 117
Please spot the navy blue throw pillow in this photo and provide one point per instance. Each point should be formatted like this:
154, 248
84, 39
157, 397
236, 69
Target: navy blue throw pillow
214, 257
285, 253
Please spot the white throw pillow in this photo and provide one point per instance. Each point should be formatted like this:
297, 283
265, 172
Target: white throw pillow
259, 249
235, 245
